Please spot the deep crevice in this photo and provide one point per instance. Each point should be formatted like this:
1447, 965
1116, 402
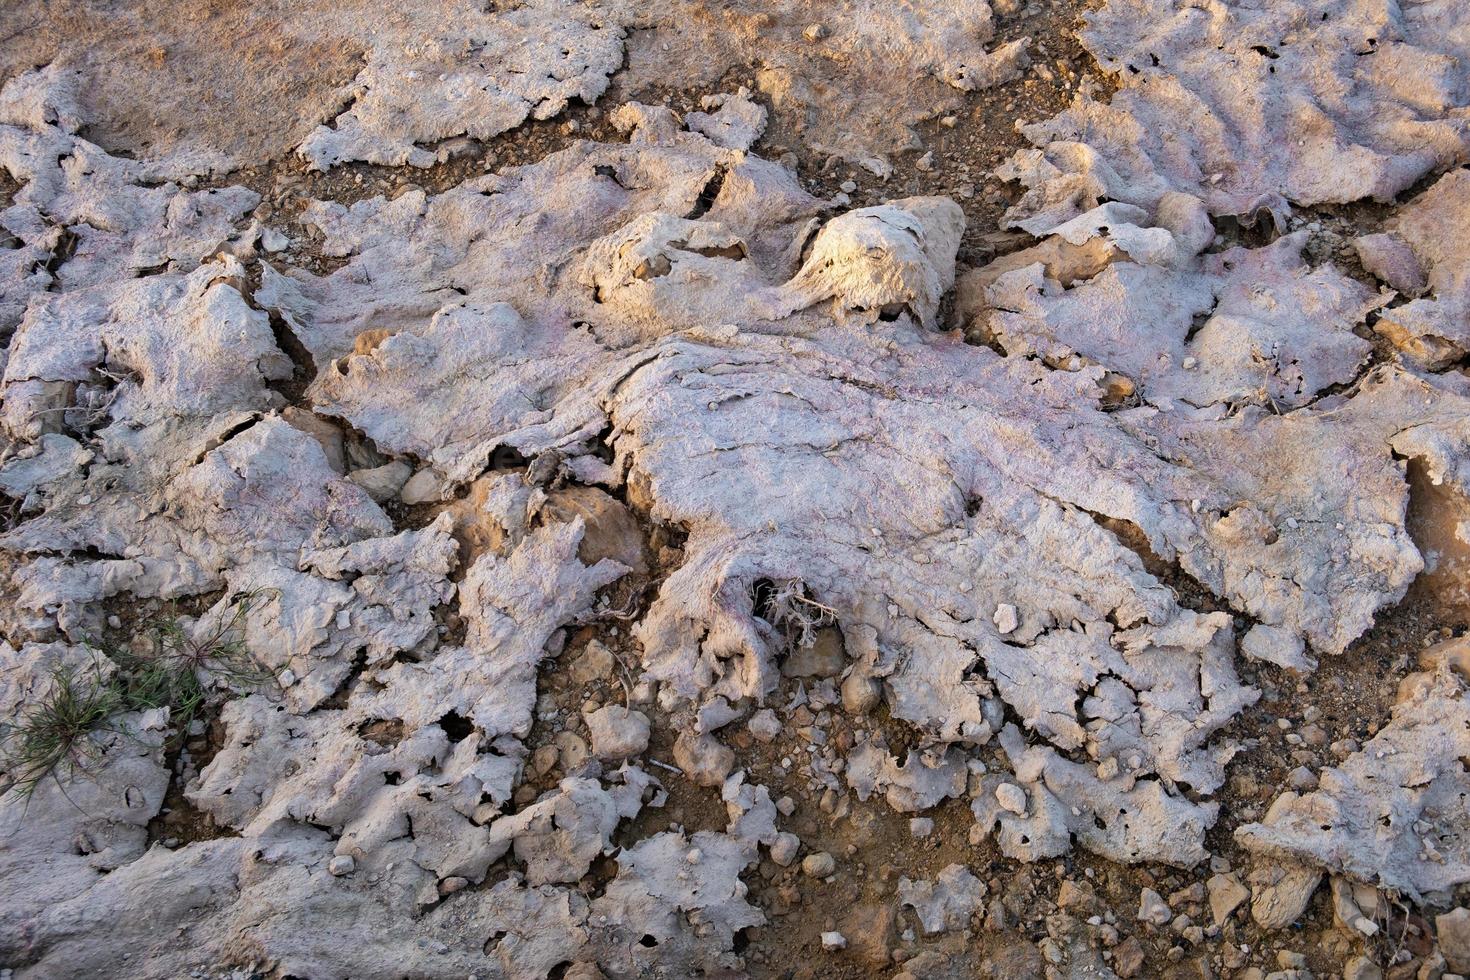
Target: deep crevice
709, 194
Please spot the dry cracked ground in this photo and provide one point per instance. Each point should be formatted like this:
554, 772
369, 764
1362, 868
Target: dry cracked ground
582, 489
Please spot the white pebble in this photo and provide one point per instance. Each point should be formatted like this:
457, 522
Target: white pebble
1006, 618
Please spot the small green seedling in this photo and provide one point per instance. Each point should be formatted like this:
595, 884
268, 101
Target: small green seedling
58, 735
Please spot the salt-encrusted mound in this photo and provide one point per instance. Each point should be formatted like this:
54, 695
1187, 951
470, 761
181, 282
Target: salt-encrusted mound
1253, 107
479, 75
1428, 236
485, 72
1233, 349
766, 428
1240, 326
1395, 813
89, 216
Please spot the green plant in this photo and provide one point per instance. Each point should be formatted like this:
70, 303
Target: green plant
169, 675
58, 734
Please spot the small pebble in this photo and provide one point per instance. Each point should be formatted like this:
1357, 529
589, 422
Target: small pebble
818, 865
1152, 908
784, 849
1006, 618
